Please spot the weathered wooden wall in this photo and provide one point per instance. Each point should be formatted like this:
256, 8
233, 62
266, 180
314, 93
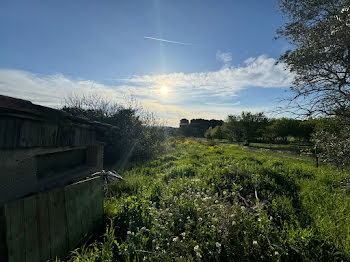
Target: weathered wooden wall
45, 207
46, 225
33, 136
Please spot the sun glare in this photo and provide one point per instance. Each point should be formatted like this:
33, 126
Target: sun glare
164, 90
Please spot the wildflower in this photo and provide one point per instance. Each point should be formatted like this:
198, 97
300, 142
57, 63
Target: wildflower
276, 253
129, 232
175, 239
198, 255
233, 223
255, 242
200, 219
183, 234
196, 249
217, 244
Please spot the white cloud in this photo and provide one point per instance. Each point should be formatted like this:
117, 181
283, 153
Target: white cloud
200, 94
224, 57
48, 90
261, 72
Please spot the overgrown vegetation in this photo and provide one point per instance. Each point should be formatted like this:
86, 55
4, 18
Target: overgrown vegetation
223, 203
133, 133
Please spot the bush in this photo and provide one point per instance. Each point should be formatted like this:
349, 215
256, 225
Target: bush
133, 133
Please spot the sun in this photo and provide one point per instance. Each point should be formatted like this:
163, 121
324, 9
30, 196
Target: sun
164, 90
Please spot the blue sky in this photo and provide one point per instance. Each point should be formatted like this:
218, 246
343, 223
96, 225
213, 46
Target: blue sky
221, 60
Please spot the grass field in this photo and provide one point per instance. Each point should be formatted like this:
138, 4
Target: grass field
223, 202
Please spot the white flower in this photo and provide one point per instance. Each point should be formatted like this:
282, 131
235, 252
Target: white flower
255, 242
198, 255
217, 244
200, 219
183, 234
276, 253
129, 232
175, 239
196, 248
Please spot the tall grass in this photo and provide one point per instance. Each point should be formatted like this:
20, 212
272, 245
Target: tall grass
222, 203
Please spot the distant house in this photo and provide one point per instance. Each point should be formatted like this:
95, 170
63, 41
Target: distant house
184, 122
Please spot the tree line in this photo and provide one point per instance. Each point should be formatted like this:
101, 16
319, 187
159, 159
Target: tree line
249, 127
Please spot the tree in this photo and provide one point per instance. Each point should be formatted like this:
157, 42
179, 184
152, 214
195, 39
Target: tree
135, 133
246, 127
334, 141
214, 133
320, 61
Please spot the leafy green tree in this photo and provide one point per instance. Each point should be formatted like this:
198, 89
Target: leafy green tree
215, 133
246, 127
233, 128
320, 32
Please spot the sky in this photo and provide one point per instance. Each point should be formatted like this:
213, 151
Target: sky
214, 57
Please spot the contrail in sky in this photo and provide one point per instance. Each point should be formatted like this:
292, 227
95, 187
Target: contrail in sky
168, 41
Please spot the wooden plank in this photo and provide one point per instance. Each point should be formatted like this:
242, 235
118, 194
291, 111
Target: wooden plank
97, 196
73, 215
3, 244
78, 213
44, 238
58, 222
14, 216
31, 229
85, 208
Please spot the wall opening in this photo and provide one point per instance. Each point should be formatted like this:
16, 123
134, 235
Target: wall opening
59, 162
